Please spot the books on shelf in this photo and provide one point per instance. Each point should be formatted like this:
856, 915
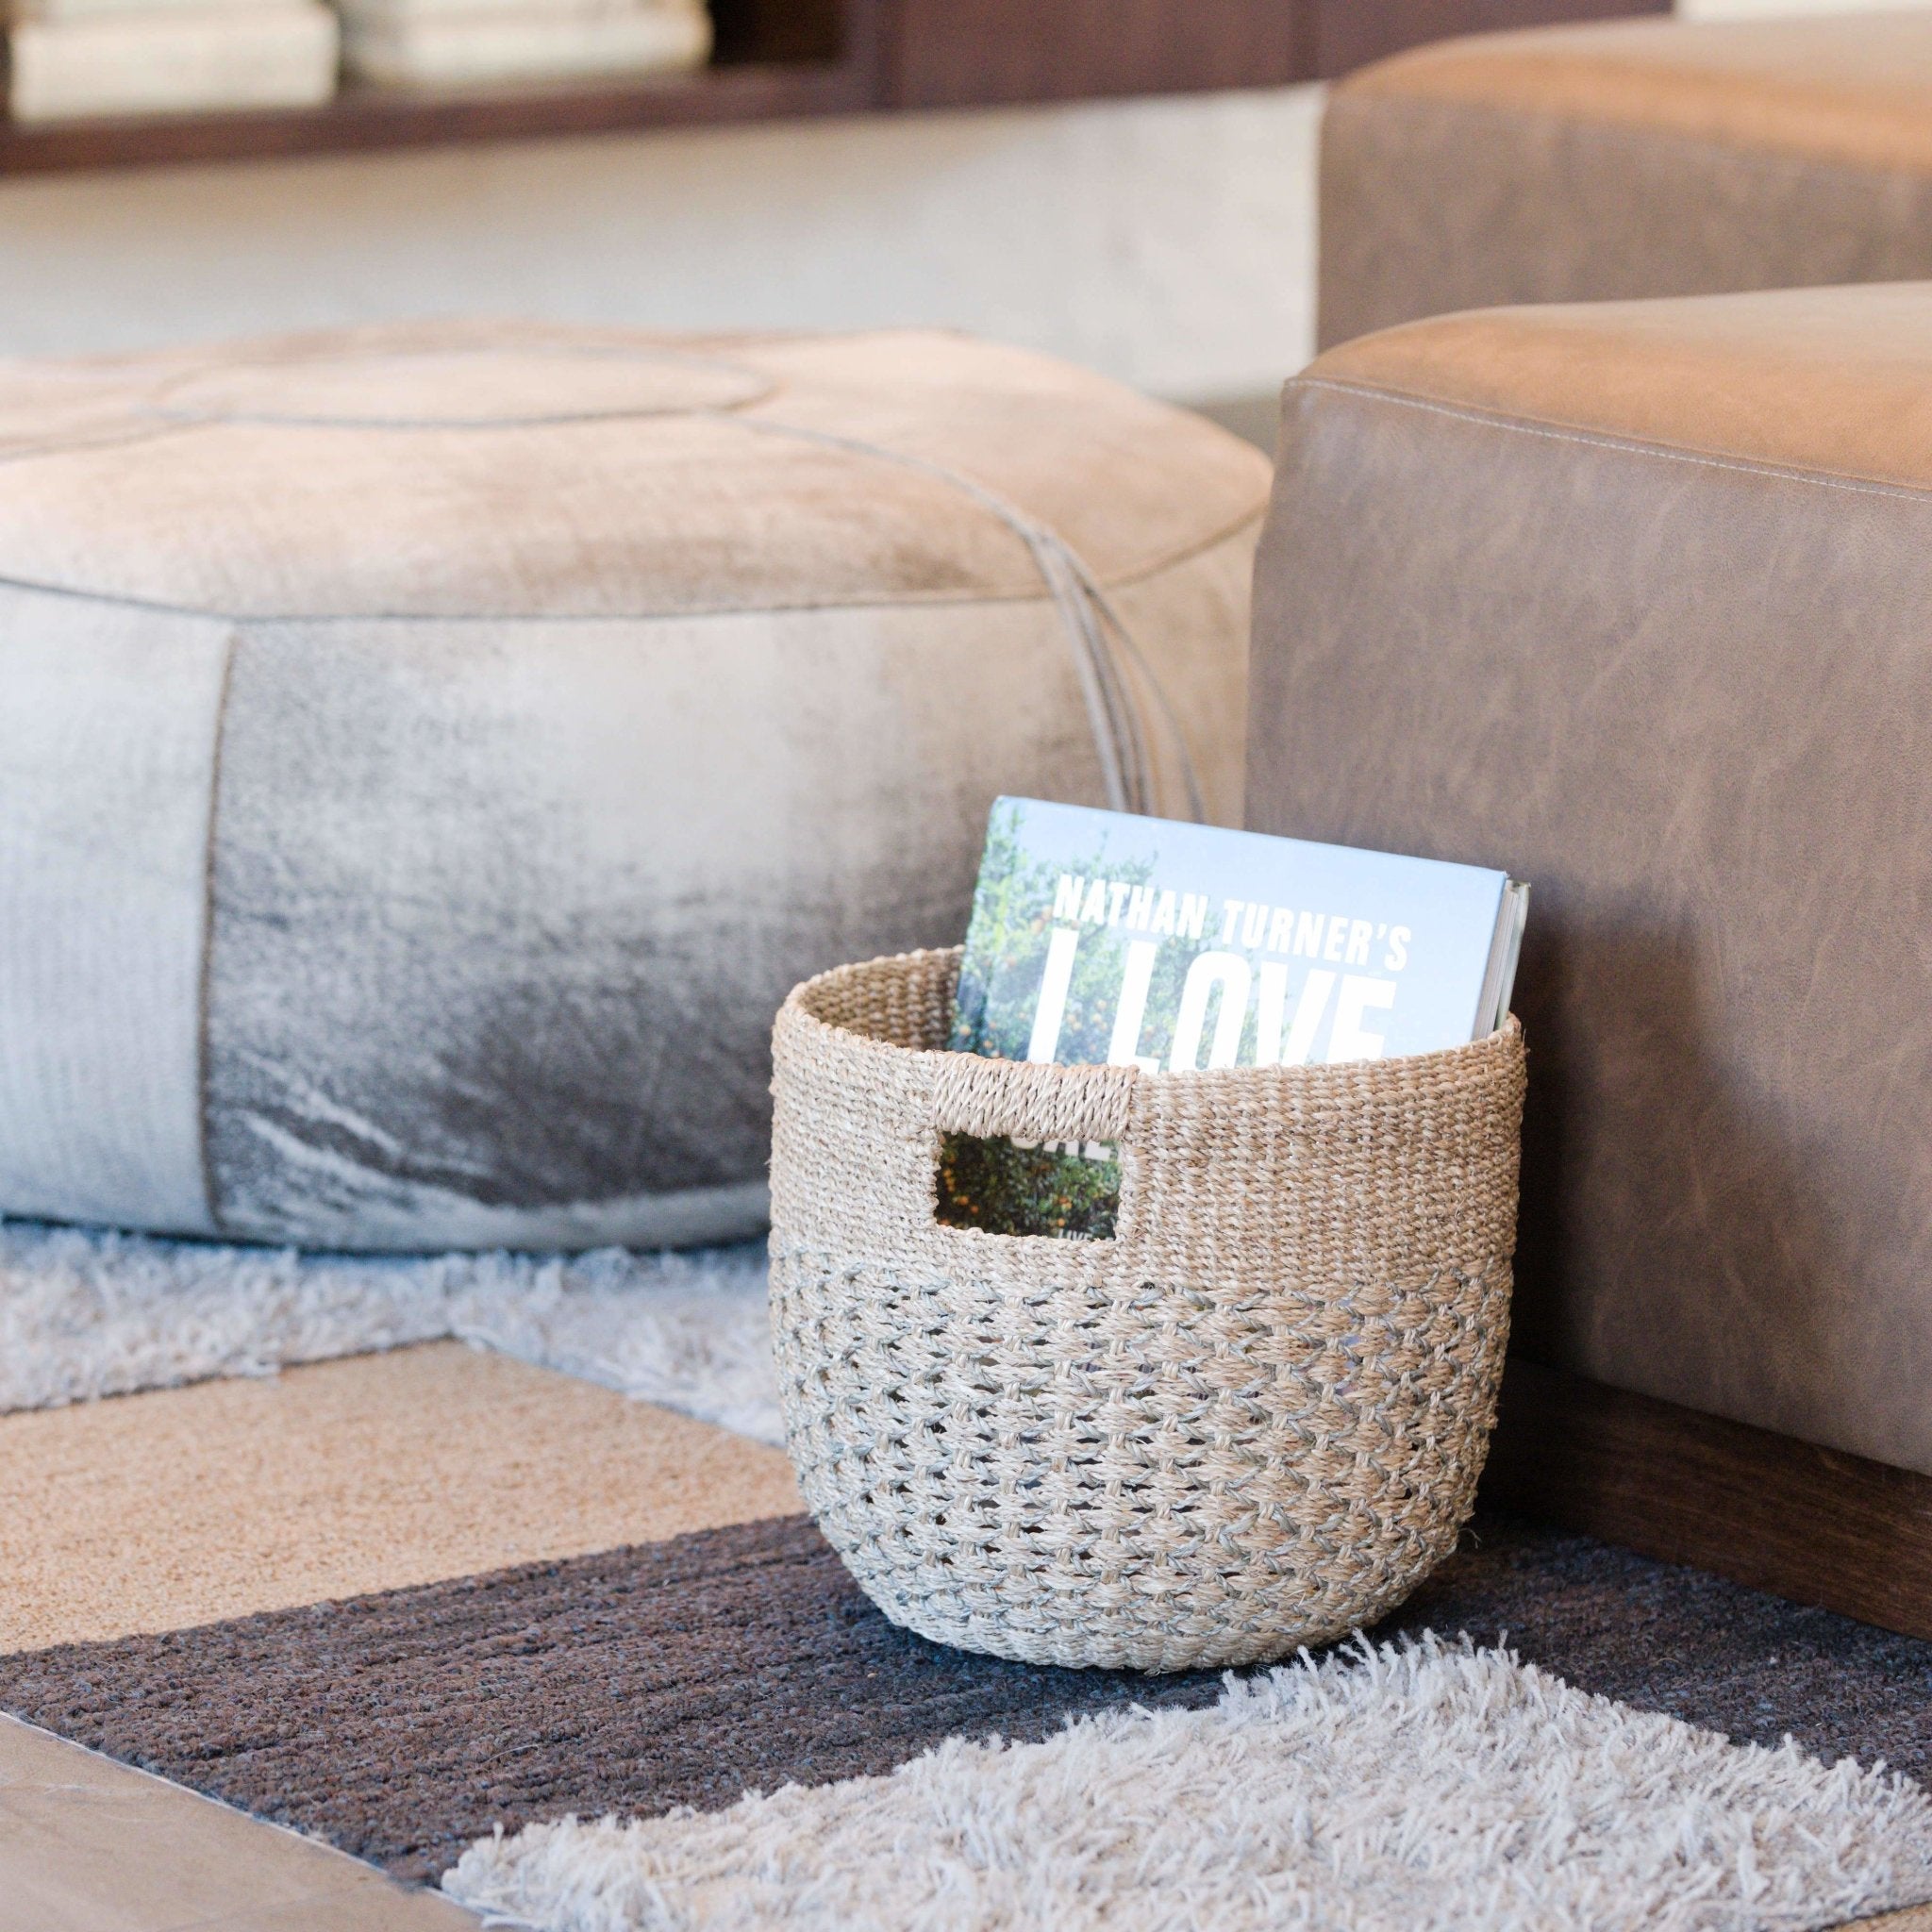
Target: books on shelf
507, 12
1098, 937
68, 59
76, 58
22, 10
436, 43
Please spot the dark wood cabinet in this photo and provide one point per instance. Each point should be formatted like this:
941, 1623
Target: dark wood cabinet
788, 59
955, 52
749, 31
1351, 33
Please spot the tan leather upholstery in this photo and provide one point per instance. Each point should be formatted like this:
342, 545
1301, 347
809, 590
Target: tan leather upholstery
1812, 378
1637, 600
1633, 158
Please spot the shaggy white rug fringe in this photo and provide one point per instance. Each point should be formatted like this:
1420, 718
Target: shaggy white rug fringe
1426, 1789
85, 1313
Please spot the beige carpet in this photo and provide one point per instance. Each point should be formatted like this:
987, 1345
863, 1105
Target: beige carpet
184, 1507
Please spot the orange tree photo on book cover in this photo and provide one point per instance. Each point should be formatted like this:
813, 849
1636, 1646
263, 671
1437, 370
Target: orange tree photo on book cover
998, 1184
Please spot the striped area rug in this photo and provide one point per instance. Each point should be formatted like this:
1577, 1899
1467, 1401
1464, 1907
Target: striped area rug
496, 1627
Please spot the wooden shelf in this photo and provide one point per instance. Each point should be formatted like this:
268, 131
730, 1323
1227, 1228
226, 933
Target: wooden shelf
791, 58
776, 60
363, 121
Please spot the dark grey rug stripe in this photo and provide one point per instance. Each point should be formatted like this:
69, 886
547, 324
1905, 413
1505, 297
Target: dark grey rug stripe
403, 1725
1687, 1644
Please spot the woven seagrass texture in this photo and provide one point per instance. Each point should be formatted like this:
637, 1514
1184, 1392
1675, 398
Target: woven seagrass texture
1252, 1420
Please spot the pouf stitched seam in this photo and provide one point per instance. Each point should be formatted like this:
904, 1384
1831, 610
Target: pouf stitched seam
921, 600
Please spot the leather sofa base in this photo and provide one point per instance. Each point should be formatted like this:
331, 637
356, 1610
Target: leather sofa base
1632, 599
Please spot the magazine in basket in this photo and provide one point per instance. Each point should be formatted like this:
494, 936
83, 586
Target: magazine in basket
1100, 938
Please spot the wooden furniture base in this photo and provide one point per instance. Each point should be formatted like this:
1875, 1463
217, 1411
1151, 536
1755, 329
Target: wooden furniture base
1812, 1524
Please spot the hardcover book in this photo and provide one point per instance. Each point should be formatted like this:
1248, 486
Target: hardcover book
1100, 938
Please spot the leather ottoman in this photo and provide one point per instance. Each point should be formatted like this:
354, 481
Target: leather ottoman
1638, 157
1636, 600
430, 755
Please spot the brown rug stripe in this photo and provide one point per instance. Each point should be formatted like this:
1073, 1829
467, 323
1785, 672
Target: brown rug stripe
184, 1507
400, 1726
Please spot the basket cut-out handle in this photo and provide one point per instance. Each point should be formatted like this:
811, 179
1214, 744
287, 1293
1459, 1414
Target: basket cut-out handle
1032, 1104
1028, 1101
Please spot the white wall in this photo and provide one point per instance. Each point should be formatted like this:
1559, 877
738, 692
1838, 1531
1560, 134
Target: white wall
1168, 242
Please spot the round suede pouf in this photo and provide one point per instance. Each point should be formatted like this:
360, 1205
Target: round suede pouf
429, 756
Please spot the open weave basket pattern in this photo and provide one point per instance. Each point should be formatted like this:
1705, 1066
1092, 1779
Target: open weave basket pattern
1254, 1419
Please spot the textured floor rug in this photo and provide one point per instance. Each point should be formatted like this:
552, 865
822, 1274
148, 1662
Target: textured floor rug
404, 1724
86, 1314
433, 1604
1421, 1788
342, 1479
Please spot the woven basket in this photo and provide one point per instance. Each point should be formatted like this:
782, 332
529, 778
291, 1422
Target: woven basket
1254, 1419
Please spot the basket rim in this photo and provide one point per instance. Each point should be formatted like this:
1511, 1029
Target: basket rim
1316, 1081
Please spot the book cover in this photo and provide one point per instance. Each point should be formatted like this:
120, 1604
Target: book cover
1102, 937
